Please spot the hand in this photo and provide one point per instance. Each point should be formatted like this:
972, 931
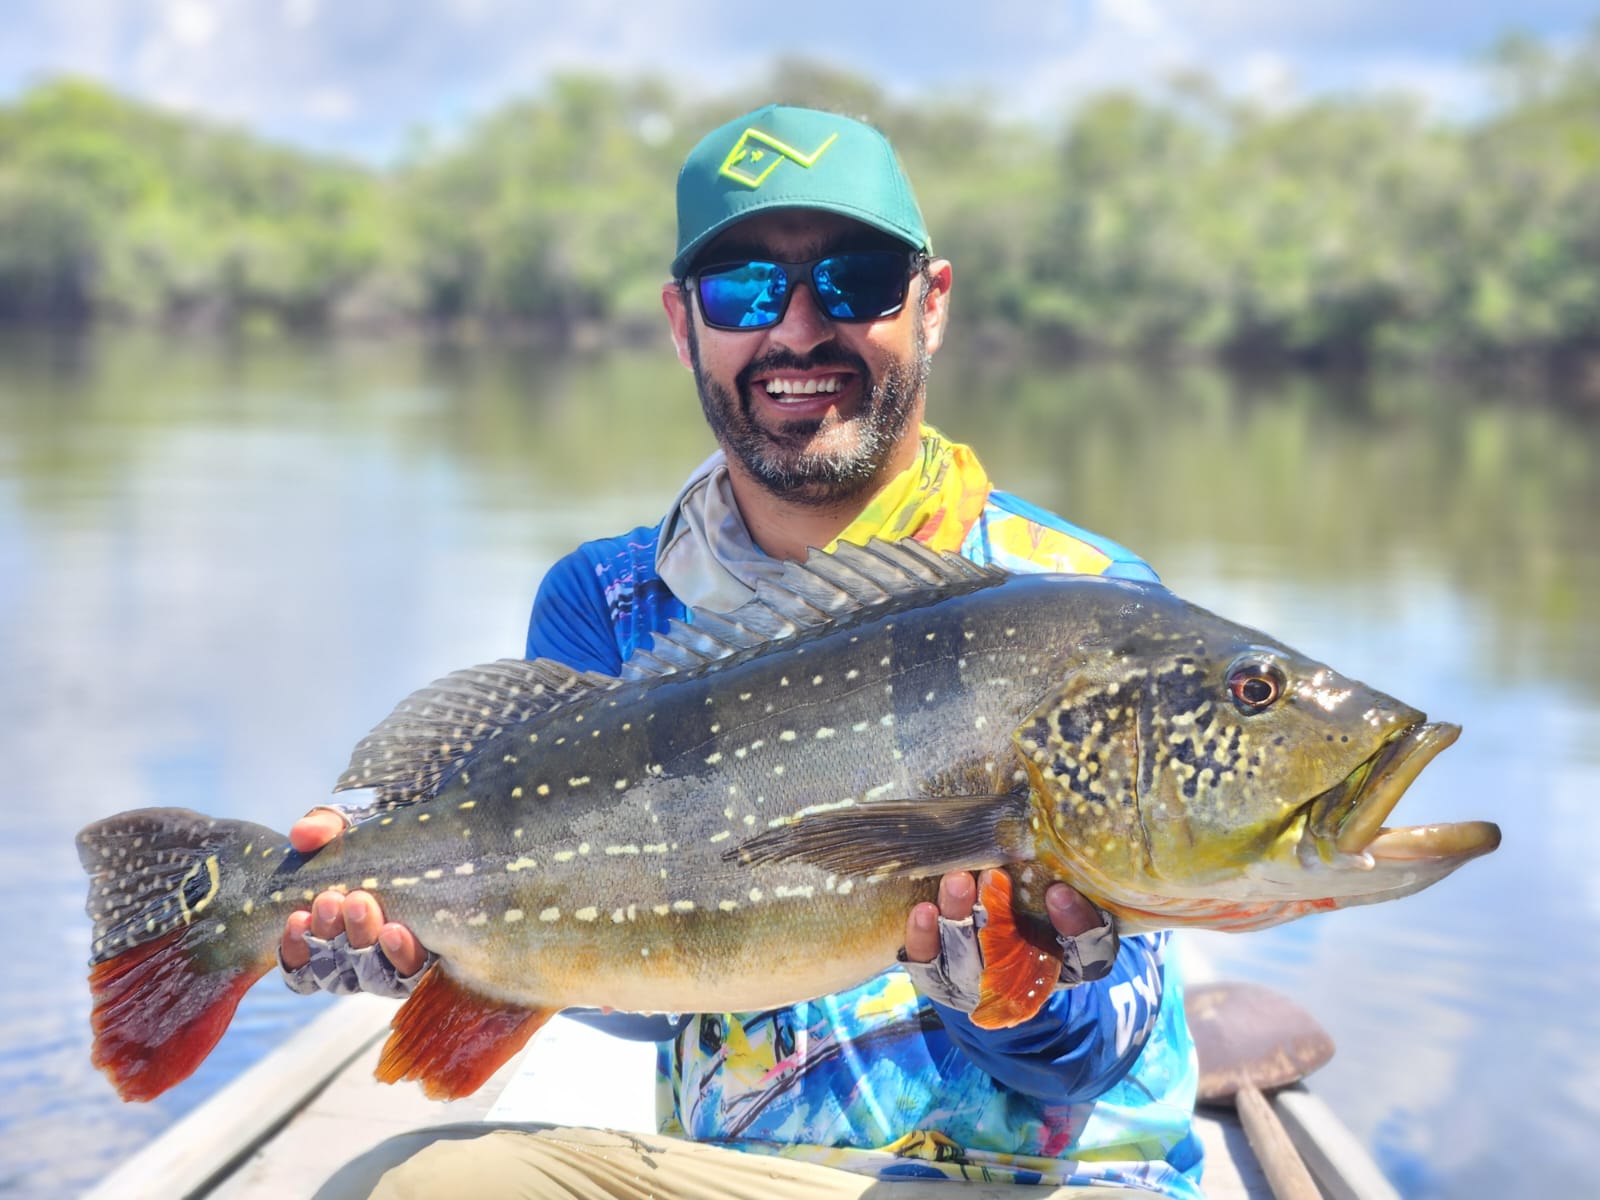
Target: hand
1070, 913
357, 915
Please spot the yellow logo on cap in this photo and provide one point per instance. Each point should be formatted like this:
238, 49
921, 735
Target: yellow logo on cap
748, 152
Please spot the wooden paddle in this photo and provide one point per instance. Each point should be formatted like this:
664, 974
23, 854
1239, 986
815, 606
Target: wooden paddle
1252, 1040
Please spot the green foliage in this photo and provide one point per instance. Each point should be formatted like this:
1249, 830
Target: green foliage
1338, 229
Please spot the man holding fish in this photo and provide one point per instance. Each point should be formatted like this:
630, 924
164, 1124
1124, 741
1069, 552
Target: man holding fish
807, 302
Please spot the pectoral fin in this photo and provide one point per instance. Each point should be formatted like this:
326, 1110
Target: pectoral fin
451, 1038
914, 838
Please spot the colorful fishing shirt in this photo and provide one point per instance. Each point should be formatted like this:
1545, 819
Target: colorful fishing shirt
1098, 1088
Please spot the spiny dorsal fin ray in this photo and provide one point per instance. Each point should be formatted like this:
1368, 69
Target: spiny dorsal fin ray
415, 747
824, 589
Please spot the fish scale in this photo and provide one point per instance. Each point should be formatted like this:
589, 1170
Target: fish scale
744, 819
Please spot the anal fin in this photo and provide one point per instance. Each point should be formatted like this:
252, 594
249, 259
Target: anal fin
1021, 959
451, 1038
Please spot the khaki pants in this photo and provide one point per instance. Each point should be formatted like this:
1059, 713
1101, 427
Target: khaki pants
537, 1162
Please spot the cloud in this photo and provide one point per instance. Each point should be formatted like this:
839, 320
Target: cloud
357, 75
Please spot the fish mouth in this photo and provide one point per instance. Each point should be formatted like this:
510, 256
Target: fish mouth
1350, 816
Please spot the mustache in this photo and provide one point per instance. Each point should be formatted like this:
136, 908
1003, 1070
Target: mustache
828, 354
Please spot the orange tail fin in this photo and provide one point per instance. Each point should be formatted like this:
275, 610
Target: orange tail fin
1021, 961
175, 946
452, 1039
158, 1013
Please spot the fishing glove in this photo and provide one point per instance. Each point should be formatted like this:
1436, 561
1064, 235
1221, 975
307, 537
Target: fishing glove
952, 979
338, 967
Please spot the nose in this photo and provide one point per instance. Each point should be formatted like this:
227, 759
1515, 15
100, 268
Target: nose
805, 325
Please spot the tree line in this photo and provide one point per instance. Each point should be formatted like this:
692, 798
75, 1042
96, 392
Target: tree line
1191, 221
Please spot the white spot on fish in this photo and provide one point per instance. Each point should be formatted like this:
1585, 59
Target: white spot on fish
683, 906
550, 914
620, 785
397, 881
371, 881
587, 914
721, 837
815, 680
466, 804
755, 895
824, 732
622, 849
464, 869
714, 758
477, 919
788, 735
727, 905
513, 915
522, 864
562, 856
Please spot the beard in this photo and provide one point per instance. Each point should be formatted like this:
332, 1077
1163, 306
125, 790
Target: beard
784, 461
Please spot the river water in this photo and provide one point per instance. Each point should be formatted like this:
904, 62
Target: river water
220, 564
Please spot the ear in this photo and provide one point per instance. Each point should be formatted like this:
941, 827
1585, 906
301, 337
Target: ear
936, 305
678, 317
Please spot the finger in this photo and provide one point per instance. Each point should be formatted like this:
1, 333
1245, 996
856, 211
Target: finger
327, 915
315, 830
296, 953
1070, 913
922, 933
362, 919
958, 892
401, 948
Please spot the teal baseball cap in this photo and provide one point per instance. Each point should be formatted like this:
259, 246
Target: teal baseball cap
784, 157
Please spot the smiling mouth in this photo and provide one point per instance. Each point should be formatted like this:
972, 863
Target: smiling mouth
1350, 815
784, 388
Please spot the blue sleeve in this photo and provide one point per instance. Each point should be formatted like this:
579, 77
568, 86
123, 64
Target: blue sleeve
1084, 1039
570, 621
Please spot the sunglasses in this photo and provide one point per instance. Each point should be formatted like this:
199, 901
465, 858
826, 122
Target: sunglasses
859, 285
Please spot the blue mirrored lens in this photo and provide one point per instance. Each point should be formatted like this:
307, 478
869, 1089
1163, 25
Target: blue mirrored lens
745, 296
858, 286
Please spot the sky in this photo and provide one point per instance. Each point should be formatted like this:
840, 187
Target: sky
358, 77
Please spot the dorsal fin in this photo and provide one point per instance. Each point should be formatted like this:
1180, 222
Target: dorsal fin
825, 589
411, 750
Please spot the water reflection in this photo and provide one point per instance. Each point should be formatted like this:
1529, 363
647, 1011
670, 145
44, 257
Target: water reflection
220, 564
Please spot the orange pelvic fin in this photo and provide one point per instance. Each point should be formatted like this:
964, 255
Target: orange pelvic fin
451, 1038
158, 1011
1021, 960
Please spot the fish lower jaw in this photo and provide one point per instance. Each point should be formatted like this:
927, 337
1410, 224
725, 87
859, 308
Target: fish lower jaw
1456, 842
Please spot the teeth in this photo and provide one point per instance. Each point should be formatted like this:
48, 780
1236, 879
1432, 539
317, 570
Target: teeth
802, 387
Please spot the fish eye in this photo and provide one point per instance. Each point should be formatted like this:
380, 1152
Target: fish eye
1255, 685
